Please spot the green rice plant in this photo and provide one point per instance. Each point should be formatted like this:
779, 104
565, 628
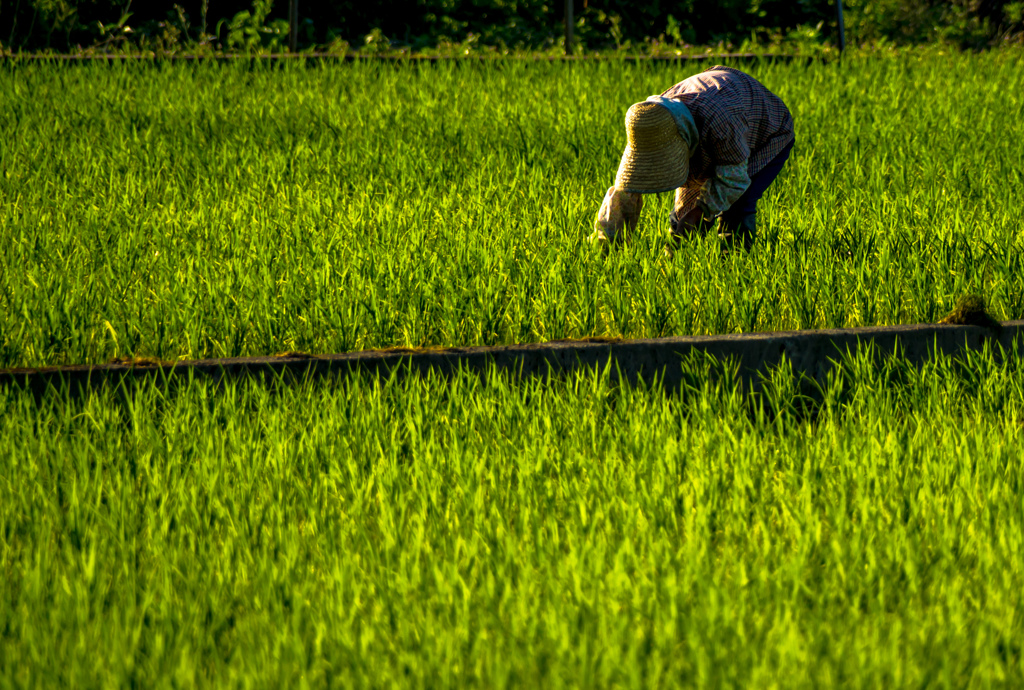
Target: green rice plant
197, 210
480, 531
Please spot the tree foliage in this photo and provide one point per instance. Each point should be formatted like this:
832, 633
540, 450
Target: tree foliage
506, 24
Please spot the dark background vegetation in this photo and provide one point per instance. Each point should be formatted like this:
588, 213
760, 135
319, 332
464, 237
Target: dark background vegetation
68, 25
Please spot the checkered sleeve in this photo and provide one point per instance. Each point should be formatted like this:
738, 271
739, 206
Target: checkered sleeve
724, 189
725, 141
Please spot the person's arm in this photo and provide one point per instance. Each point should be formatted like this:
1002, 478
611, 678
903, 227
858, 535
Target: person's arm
726, 142
617, 217
723, 189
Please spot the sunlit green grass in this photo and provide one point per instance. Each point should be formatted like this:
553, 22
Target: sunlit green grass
187, 210
482, 532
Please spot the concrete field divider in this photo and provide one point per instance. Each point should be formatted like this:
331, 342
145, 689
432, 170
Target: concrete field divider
812, 354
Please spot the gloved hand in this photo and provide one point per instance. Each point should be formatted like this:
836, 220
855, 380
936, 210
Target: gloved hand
617, 217
686, 220
691, 222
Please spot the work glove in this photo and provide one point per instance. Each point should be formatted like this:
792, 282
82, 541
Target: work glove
690, 216
694, 221
617, 217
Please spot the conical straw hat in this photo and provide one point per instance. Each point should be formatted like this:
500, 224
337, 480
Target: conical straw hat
656, 158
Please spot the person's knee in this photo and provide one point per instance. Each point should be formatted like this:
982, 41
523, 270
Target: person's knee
733, 218
739, 230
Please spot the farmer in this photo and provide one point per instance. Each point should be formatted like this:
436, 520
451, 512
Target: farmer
718, 139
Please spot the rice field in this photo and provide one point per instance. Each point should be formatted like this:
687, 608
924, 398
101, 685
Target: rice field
188, 211
482, 531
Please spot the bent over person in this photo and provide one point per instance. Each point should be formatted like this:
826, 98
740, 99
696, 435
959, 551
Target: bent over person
718, 138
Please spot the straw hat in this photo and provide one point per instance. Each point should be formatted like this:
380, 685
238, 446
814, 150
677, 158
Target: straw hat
656, 158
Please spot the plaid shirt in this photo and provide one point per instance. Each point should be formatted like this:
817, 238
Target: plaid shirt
738, 121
